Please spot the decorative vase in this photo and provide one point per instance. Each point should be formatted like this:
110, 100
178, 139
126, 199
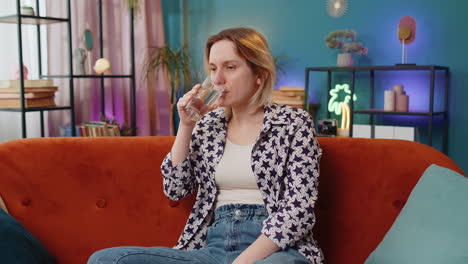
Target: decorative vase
389, 100
345, 60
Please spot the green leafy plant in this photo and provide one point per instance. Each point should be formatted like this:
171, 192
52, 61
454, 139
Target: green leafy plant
136, 5
176, 63
279, 65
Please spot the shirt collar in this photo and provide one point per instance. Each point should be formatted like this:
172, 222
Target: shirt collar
272, 116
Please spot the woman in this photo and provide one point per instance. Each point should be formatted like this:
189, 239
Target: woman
255, 165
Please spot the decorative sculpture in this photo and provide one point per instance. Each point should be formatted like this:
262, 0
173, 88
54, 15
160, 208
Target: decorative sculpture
406, 35
79, 57
345, 120
88, 42
16, 72
334, 105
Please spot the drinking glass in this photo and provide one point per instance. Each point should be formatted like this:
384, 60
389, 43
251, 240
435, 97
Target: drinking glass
203, 100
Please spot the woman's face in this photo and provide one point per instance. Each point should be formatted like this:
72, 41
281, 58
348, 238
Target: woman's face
229, 69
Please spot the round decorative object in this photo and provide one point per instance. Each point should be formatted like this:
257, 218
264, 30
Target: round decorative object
404, 33
337, 8
101, 66
407, 29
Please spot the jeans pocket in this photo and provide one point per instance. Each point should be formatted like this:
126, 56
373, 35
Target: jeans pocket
216, 233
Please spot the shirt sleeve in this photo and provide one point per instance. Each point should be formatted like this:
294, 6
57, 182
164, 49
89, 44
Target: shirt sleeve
179, 181
294, 217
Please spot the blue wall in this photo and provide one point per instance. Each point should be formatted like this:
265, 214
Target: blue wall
296, 29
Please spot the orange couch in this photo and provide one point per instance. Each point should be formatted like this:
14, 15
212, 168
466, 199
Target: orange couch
78, 195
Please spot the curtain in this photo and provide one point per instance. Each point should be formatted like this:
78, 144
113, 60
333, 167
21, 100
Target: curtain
152, 95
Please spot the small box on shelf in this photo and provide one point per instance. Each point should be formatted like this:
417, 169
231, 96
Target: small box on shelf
66, 131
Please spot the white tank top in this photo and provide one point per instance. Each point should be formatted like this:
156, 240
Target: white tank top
234, 177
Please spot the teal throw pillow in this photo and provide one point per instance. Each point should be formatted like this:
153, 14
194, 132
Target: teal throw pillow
18, 246
432, 228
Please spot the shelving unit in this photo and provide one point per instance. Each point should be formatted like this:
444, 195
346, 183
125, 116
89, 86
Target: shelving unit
38, 21
430, 113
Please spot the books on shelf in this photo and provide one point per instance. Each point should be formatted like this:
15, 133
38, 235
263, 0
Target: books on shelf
37, 93
92, 129
34, 102
289, 95
291, 88
30, 86
11, 90
27, 83
100, 129
34, 95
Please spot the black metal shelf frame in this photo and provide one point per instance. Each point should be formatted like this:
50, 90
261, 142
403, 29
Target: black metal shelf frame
430, 113
132, 70
38, 20
409, 113
89, 76
32, 20
35, 109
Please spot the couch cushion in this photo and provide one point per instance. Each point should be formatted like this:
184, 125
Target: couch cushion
432, 226
19, 246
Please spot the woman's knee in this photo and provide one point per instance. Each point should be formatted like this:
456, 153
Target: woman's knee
96, 256
109, 255
137, 255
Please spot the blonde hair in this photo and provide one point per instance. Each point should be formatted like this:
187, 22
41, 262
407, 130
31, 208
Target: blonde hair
253, 47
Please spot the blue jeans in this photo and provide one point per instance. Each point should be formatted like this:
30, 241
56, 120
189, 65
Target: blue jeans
235, 227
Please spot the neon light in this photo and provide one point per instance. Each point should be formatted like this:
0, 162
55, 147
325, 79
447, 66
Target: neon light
334, 104
346, 116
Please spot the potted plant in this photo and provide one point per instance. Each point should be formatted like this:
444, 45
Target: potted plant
124, 129
136, 6
345, 40
27, 10
177, 66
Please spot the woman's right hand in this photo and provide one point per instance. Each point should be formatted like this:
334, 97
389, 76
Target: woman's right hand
182, 103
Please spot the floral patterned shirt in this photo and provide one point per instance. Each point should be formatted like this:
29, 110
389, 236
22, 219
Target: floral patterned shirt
285, 161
